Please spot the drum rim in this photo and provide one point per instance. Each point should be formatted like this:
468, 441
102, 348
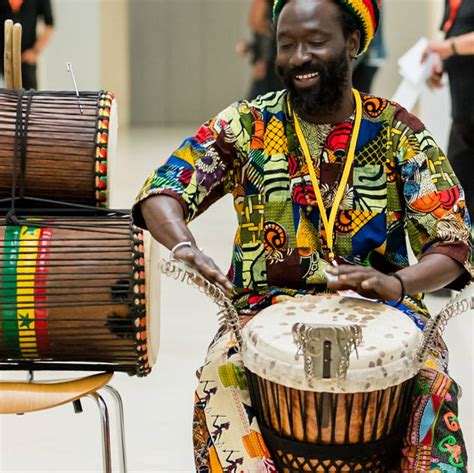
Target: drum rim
105, 127
152, 272
138, 308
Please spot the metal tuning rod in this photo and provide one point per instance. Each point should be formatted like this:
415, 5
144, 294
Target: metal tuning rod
70, 69
463, 302
228, 315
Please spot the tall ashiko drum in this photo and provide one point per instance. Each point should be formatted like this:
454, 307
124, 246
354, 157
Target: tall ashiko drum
75, 294
330, 378
57, 147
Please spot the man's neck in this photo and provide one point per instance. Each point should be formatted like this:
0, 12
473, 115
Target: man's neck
335, 115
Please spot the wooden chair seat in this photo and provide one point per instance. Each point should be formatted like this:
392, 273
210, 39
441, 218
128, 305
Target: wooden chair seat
20, 397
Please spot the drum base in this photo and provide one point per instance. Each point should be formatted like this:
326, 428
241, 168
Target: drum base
316, 432
291, 456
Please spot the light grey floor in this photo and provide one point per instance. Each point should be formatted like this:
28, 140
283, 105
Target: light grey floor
158, 408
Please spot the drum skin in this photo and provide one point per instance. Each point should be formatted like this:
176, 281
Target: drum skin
60, 145
73, 294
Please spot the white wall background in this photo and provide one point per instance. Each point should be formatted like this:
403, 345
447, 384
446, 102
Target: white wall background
77, 38
93, 35
184, 67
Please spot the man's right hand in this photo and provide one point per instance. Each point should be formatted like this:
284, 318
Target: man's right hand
164, 219
205, 266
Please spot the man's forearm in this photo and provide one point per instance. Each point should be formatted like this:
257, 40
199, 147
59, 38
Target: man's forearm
433, 272
43, 39
165, 220
464, 44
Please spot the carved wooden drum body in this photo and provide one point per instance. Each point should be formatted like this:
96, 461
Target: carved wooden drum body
78, 293
324, 406
57, 147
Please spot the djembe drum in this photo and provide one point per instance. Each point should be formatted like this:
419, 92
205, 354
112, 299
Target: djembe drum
330, 378
75, 294
56, 147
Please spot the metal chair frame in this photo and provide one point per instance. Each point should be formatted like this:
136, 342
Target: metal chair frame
28, 396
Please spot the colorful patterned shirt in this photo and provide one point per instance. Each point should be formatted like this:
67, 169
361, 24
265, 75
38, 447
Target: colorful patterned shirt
401, 184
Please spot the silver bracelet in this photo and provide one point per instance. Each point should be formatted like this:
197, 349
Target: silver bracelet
179, 245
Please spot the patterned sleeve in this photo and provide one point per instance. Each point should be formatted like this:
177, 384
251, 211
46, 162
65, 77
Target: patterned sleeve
205, 167
436, 216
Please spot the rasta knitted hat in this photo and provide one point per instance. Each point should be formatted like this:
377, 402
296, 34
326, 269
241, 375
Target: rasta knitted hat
366, 13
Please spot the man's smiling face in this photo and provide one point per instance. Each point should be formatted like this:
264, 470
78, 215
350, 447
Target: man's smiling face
314, 54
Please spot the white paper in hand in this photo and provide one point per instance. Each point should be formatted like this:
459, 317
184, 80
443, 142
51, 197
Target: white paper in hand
414, 74
411, 67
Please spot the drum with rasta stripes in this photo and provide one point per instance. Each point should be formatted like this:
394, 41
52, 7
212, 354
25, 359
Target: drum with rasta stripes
74, 294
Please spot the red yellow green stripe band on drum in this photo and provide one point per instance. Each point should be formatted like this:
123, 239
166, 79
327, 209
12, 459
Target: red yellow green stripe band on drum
102, 142
23, 314
41, 313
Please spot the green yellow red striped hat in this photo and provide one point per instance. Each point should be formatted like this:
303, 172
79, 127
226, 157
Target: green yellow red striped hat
366, 13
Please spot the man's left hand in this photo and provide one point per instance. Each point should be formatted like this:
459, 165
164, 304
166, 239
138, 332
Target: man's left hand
368, 282
29, 56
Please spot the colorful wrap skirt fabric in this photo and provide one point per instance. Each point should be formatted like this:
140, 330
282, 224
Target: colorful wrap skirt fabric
227, 437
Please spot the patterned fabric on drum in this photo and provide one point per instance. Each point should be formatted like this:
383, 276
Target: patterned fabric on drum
434, 441
400, 179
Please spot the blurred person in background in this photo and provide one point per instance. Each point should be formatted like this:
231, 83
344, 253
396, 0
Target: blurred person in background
262, 50
455, 56
27, 12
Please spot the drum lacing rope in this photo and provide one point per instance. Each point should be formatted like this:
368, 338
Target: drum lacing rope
138, 309
48, 220
19, 152
228, 316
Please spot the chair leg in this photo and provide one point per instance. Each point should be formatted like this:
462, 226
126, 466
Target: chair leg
120, 426
105, 427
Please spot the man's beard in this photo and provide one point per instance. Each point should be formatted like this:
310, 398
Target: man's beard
325, 96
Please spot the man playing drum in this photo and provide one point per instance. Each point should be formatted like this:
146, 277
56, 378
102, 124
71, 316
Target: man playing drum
325, 181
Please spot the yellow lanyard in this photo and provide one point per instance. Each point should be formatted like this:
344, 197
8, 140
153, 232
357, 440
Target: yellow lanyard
330, 223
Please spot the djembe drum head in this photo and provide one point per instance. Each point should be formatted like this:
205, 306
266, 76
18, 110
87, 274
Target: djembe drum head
313, 416
76, 294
